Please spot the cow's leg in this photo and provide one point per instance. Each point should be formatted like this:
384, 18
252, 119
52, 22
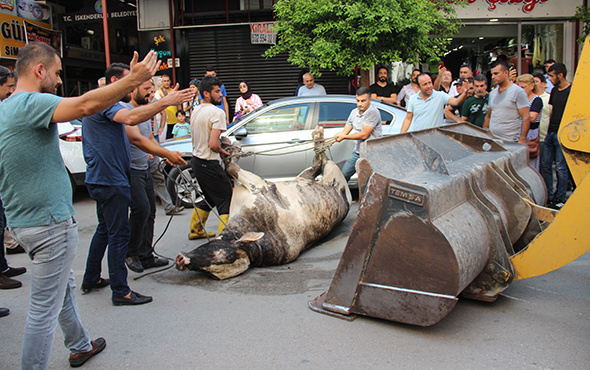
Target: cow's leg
312, 172
248, 179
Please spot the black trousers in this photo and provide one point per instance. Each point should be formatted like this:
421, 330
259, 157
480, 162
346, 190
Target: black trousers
214, 183
142, 215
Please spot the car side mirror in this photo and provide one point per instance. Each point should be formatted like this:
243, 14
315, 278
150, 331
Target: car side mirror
241, 133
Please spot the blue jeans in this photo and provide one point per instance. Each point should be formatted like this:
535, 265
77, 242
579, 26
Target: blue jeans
143, 215
349, 168
52, 249
112, 209
551, 151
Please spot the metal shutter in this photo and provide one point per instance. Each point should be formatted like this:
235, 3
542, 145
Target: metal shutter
229, 49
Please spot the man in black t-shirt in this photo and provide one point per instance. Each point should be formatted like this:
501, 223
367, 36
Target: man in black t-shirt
550, 148
384, 89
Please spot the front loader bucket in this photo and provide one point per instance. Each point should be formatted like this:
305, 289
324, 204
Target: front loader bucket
441, 212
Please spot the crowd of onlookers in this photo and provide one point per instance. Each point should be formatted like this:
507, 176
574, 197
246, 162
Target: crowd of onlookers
525, 108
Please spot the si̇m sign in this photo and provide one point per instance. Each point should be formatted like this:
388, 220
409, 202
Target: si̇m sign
262, 33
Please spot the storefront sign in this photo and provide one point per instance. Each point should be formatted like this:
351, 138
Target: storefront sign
262, 33
480, 9
159, 41
13, 34
46, 35
7, 4
95, 13
33, 10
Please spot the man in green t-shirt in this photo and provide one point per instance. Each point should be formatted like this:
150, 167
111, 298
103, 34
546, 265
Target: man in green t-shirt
476, 107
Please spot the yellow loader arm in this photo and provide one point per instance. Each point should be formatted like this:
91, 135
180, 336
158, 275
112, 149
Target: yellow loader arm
568, 235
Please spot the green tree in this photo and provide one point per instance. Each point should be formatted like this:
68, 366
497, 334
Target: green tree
340, 35
583, 15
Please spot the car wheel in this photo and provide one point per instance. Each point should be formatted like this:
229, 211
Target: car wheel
181, 185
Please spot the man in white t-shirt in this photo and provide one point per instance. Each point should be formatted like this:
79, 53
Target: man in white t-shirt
207, 124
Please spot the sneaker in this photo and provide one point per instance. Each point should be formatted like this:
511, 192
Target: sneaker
133, 300
4, 311
557, 205
154, 262
133, 264
14, 271
78, 359
8, 283
174, 210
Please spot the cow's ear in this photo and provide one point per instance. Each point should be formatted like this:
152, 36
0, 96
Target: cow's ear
247, 239
251, 237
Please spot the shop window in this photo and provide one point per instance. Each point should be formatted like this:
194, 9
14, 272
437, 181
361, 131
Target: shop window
542, 42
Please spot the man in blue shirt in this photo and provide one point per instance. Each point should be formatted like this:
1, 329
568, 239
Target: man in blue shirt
426, 109
39, 210
107, 154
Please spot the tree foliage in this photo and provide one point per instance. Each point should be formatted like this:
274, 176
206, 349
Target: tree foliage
583, 15
340, 35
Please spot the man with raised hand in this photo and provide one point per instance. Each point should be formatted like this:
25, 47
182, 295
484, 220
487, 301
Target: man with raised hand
39, 210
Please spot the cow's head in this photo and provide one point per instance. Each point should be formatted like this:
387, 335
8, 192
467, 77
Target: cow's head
221, 259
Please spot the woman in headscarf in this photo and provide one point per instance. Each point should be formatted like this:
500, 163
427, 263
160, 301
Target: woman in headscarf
247, 102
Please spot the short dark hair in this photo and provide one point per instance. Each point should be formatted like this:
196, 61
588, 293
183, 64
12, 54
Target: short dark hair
558, 68
363, 90
165, 74
181, 112
208, 82
209, 69
195, 82
382, 67
540, 76
501, 63
480, 78
34, 53
116, 70
549, 61
416, 69
4, 74
423, 74
465, 65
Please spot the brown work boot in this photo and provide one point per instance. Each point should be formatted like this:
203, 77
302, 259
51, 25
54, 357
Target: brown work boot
8, 283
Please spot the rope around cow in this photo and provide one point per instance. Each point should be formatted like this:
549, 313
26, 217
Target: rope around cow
320, 146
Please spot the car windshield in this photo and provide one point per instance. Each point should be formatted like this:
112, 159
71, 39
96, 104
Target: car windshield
244, 116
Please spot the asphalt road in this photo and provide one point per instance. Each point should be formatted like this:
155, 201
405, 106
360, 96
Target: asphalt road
261, 319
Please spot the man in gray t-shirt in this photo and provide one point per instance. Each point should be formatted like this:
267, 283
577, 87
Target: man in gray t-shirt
508, 112
365, 123
143, 209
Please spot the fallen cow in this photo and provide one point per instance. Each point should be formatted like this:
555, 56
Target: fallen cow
271, 223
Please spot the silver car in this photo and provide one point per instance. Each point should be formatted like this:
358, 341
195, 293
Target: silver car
70, 145
279, 135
